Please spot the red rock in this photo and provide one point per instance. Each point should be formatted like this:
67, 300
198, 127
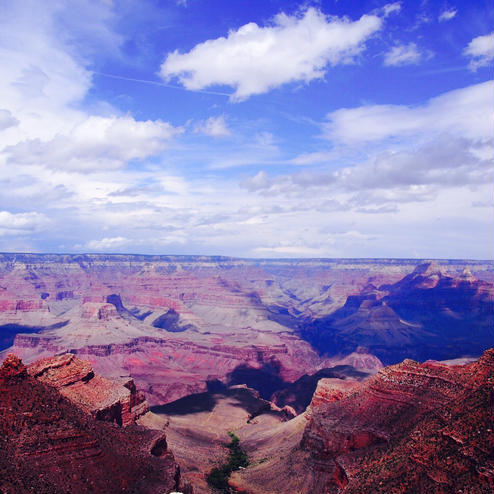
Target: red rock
50, 446
98, 311
232, 312
12, 368
329, 390
103, 398
412, 428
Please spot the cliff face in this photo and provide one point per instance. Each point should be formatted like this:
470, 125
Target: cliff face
427, 314
103, 398
176, 323
412, 428
49, 445
421, 428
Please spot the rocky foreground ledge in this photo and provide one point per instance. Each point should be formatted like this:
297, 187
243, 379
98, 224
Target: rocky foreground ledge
104, 399
52, 443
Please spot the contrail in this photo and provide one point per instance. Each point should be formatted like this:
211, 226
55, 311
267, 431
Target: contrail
156, 83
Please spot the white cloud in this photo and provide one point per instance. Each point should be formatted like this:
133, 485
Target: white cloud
481, 51
21, 223
405, 160
44, 58
7, 120
406, 154
96, 143
213, 126
259, 181
447, 15
391, 8
465, 112
403, 55
443, 161
314, 157
106, 244
256, 59
291, 251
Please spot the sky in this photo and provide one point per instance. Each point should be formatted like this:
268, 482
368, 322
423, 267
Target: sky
257, 128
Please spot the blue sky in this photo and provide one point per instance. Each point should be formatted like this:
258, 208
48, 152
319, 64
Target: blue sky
252, 129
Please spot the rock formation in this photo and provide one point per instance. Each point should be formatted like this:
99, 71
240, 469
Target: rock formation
413, 427
48, 445
427, 314
103, 398
197, 427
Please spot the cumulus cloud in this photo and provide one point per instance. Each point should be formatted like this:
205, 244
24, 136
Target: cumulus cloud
255, 59
447, 15
463, 112
443, 161
95, 143
403, 54
213, 126
21, 223
259, 181
408, 154
481, 51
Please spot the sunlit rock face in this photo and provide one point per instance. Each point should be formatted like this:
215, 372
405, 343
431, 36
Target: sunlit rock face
104, 399
175, 324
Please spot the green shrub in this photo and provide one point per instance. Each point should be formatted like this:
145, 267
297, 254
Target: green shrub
218, 476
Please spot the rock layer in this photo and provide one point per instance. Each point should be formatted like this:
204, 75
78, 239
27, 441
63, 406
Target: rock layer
427, 314
413, 427
174, 323
50, 446
103, 398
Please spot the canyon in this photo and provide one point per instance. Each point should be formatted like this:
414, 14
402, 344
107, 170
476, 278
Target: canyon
308, 361
175, 324
410, 428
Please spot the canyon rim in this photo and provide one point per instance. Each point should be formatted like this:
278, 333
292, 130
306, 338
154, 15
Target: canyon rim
246, 247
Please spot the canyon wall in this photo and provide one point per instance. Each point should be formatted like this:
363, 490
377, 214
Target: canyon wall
176, 323
412, 427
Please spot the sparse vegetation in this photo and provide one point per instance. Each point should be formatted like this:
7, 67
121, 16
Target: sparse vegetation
218, 476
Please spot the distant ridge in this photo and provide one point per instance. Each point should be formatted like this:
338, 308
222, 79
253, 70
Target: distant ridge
47, 256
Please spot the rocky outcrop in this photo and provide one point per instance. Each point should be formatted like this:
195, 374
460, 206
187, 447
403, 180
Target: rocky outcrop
309, 389
98, 311
48, 445
103, 398
412, 428
329, 390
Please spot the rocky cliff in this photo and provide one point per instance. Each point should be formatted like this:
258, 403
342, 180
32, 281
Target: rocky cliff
103, 398
48, 445
427, 314
413, 427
